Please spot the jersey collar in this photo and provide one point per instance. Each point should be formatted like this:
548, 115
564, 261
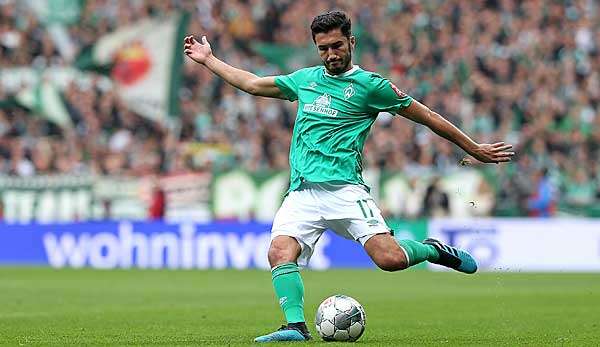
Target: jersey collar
347, 73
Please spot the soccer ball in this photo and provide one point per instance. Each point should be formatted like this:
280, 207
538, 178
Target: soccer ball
340, 318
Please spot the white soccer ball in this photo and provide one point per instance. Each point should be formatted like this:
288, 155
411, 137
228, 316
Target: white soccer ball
340, 318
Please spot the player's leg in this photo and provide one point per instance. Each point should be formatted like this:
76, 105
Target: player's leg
452, 257
355, 215
296, 229
414, 252
386, 252
285, 275
390, 254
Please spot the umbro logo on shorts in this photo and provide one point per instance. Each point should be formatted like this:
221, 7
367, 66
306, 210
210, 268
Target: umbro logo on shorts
373, 222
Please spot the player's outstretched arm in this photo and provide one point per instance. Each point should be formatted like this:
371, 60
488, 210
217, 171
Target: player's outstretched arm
244, 80
488, 153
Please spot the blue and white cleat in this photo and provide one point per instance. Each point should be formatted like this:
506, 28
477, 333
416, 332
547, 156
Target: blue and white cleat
291, 332
452, 257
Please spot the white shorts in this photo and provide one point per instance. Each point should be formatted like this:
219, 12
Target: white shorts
347, 209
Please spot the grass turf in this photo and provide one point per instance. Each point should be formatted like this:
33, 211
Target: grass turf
41, 306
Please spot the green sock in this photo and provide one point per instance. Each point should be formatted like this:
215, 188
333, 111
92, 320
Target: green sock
418, 252
290, 291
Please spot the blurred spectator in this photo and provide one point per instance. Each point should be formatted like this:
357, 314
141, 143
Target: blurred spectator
542, 203
158, 203
580, 190
435, 202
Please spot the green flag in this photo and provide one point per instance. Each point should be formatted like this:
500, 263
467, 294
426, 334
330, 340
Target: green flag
45, 100
56, 11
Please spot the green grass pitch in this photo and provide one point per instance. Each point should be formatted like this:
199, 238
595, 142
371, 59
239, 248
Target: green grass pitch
41, 306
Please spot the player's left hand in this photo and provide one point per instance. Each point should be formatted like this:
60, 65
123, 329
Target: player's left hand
498, 152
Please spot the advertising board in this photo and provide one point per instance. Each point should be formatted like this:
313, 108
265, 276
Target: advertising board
524, 244
109, 245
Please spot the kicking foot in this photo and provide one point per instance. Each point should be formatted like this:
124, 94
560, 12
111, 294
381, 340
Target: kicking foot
290, 332
452, 257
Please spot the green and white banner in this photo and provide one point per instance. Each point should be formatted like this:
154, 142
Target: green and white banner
202, 196
40, 91
46, 199
145, 61
56, 11
45, 100
243, 195
70, 198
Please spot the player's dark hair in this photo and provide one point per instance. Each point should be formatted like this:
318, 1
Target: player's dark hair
328, 21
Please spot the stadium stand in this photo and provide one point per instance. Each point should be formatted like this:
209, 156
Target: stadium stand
525, 72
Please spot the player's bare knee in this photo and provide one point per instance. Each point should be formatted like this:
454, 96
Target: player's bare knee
278, 255
386, 253
391, 262
283, 250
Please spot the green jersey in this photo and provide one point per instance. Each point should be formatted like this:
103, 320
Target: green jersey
335, 115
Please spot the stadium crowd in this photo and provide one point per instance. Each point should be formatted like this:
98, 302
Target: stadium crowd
525, 72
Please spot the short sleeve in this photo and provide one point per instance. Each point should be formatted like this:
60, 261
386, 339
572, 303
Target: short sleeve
288, 84
384, 96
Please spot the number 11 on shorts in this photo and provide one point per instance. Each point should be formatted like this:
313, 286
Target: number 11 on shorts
364, 207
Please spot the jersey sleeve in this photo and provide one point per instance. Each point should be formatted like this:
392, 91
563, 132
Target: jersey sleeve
288, 84
384, 96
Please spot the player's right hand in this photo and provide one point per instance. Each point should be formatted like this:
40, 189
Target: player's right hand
199, 52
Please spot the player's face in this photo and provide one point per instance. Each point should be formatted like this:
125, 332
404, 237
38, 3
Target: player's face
335, 50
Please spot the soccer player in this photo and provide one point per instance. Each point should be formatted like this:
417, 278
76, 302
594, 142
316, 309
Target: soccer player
337, 105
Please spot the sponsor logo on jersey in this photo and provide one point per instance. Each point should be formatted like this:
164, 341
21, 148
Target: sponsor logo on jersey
323, 100
321, 105
312, 85
348, 91
397, 90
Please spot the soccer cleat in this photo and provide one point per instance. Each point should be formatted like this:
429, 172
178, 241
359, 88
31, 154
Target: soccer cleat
452, 257
290, 332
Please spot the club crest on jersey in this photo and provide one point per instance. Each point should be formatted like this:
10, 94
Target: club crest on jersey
321, 105
348, 91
